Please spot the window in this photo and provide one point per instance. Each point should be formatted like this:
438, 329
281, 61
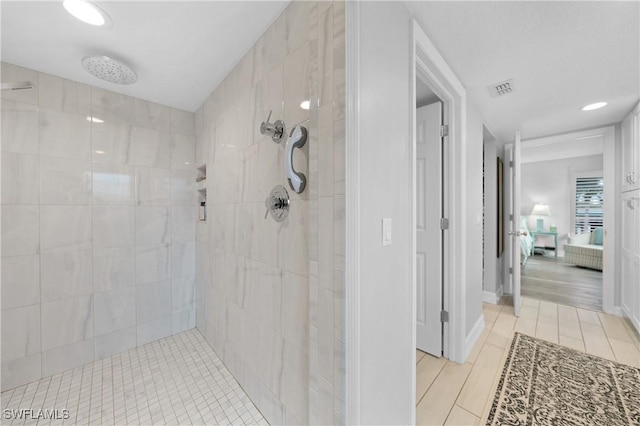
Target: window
587, 202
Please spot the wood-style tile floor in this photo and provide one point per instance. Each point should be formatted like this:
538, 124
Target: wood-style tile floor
454, 394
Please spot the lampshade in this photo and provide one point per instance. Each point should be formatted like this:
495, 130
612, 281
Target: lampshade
540, 210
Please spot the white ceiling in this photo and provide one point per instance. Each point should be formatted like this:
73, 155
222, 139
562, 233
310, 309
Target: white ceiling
181, 50
561, 55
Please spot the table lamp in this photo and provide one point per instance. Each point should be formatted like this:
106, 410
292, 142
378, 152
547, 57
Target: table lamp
540, 210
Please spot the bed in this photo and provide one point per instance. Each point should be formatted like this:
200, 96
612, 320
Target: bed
526, 241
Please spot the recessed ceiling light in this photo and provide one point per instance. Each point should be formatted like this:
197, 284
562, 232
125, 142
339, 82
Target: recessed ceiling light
305, 104
86, 12
591, 107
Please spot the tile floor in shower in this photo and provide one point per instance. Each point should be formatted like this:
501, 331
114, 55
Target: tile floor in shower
178, 380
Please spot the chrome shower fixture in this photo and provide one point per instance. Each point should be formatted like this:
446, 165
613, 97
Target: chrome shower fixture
275, 130
17, 86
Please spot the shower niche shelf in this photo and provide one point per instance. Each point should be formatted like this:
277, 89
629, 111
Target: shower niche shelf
201, 187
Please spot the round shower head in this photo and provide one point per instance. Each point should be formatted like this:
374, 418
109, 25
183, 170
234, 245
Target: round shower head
109, 69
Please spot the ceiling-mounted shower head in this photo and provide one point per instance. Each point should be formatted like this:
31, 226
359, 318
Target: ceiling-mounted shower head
109, 69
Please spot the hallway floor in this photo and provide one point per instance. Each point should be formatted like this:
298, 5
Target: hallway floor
453, 394
176, 380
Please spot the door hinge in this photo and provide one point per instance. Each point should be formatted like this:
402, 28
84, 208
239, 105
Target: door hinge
511, 270
444, 130
444, 223
510, 217
510, 163
444, 316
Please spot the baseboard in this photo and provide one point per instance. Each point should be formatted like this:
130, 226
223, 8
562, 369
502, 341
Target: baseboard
491, 297
473, 336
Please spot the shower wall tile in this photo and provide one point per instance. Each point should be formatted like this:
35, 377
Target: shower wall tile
151, 148
338, 158
113, 343
295, 379
19, 126
114, 268
325, 53
67, 321
112, 142
296, 310
113, 184
98, 224
114, 226
20, 281
20, 178
66, 274
20, 230
63, 134
20, 332
65, 358
153, 186
15, 73
152, 225
114, 310
298, 88
64, 95
152, 115
65, 181
65, 228
325, 151
152, 263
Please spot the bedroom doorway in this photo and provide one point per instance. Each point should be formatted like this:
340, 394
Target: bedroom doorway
568, 210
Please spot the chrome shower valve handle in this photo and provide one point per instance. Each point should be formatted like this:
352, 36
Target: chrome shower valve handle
276, 130
277, 203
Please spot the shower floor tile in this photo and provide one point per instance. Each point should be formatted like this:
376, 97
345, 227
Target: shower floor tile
178, 380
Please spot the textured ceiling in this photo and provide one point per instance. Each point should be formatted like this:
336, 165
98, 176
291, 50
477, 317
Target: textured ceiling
561, 55
181, 50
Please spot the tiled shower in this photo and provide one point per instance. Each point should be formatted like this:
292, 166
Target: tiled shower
103, 250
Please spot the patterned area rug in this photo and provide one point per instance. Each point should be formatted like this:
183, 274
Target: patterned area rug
546, 384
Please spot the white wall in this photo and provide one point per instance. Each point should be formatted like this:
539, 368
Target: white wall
549, 182
386, 352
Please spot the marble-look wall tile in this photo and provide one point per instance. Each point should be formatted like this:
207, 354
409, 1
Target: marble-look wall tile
295, 379
65, 181
113, 184
339, 158
152, 225
65, 228
269, 95
153, 301
325, 334
296, 239
183, 293
20, 178
114, 226
296, 310
183, 223
152, 148
183, 188
325, 53
15, 73
183, 259
20, 332
62, 134
19, 126
114, 310
183, 320
21, 371
66, 274
107, 105
20, 230
154, 330
20, 281
298, 87
182, 122
325, 242
153, 186
66, 321
339, 55
152, 115
297, 21
325, 150
339, 230
183, 152
112, 142
64, 95
113, 343
271, 406
152, 263
114, 268
68, 357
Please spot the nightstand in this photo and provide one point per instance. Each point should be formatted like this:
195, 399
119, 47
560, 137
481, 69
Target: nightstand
534, 234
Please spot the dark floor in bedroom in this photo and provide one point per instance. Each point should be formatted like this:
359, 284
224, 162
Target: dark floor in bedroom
549, 278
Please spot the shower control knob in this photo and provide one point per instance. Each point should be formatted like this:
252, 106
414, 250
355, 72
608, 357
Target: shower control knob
277, 203
276, 130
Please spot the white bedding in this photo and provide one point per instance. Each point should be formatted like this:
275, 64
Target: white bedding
526, 241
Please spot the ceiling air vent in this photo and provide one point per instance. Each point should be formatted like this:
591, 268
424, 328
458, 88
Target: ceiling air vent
500, 89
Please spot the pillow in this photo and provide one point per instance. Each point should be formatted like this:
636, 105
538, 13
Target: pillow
523, 223
596, 237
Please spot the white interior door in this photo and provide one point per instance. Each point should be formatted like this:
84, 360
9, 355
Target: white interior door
515, 224
428, 231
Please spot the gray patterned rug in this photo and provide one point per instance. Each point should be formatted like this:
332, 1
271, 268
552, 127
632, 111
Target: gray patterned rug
546, 384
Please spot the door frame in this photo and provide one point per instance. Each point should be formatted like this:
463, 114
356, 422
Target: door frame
609, 278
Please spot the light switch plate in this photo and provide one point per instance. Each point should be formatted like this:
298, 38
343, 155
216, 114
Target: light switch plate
386, 232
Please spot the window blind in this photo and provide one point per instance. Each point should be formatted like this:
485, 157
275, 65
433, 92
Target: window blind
589, 201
